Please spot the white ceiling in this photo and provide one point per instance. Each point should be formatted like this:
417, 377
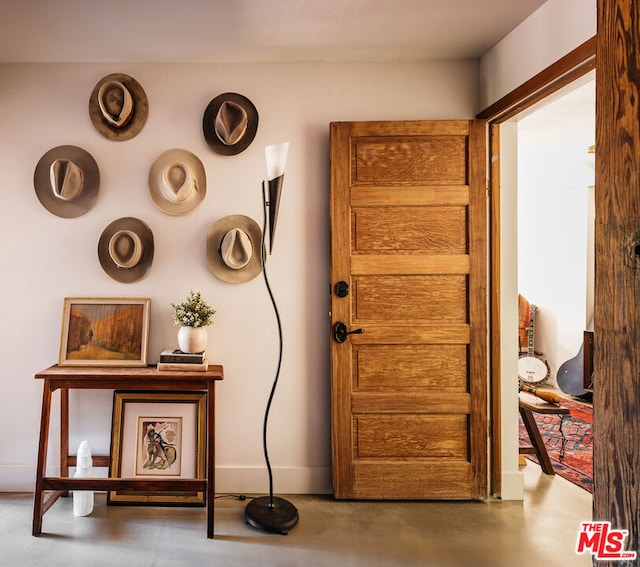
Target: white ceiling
53, 31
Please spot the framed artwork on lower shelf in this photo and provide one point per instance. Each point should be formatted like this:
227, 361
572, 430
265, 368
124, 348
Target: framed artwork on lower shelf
158, 435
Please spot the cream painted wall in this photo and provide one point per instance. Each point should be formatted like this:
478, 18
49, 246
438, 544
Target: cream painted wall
46, 258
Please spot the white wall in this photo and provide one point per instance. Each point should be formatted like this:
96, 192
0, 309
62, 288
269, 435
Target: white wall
46, 258
552, 31
555, 224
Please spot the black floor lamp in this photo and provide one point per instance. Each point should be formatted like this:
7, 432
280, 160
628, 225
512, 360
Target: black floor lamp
270, 513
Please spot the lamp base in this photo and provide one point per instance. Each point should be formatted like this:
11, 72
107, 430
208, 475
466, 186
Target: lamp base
271, 514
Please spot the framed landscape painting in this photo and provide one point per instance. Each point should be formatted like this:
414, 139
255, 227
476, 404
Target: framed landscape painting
158, 435
105, 332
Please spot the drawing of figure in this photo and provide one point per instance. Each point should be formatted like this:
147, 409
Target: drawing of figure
161, 455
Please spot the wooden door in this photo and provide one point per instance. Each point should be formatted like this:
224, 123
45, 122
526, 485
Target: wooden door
408, 241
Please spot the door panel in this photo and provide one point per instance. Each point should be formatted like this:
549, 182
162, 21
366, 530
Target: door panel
408, 235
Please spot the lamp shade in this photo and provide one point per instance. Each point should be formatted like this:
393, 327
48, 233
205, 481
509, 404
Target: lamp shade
276, 157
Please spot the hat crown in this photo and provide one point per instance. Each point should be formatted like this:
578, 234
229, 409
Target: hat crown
231, 122
178, 184
125, 248
67, 179
236, 249
116, 103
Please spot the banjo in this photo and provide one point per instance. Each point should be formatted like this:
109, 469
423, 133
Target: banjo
532, 369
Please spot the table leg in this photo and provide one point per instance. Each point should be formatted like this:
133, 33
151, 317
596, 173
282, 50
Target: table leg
38, 504
64, 435
211, 448
536, 440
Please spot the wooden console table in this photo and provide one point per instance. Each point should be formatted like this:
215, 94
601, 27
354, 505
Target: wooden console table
65, 378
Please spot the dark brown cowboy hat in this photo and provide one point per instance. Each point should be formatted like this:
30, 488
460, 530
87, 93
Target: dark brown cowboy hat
230, 123
67, 180
118, 107
125, 249
233, 249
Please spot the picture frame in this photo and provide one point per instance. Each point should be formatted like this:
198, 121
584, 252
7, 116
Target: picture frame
158, 435
103, 331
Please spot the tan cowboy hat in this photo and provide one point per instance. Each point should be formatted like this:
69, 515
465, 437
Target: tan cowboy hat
233, 249
177, 182
230, 123
67, 180
125, 249
118, 107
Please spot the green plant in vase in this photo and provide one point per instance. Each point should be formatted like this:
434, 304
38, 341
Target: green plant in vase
193, 316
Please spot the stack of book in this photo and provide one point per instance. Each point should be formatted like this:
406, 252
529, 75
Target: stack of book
175, 359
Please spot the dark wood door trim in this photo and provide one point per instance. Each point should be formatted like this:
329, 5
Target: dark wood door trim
559, 74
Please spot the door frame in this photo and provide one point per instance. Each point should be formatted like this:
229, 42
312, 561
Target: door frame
563, 72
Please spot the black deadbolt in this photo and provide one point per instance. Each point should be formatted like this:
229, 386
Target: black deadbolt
342, 289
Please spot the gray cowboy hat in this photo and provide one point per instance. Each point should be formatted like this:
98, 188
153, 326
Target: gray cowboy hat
177, 182
230, 123
118, 107
67, 180
233, 249
125, 249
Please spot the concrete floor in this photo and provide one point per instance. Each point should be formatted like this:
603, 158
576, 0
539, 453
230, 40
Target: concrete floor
542, 530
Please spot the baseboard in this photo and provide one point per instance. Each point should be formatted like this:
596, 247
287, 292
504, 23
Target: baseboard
512, 486
286, 480
20, 478
246, 480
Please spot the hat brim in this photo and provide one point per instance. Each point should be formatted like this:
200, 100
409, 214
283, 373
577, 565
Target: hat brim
87, 197
214, 240
140, 270
196, 168
140, 109
209, 119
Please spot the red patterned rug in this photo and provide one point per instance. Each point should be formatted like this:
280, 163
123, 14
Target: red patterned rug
569, 442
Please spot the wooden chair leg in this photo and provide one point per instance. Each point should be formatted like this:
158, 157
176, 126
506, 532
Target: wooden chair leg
536, 440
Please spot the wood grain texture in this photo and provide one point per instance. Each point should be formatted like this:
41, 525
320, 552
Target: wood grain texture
438, 229
617, 249
411, 367
408, 214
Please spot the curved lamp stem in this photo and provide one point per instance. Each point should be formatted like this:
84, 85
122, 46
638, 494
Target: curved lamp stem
271, 513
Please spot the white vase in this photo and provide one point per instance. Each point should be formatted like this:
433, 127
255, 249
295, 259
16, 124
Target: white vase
192, 339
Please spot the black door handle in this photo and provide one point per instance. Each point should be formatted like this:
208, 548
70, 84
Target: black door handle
340, 332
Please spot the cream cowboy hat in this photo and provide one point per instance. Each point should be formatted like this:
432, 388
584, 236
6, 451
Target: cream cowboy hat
125, 249
177, 182
67, 180
230, 123
233, 249
118, 107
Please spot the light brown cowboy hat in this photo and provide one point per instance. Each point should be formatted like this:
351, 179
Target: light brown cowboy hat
125, 249
230, 123
177, 182
118, 107
67, 180
233, 249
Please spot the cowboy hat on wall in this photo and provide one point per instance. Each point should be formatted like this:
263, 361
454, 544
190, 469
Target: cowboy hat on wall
125, 249
233, 249
177, 182
118, 107
230, 123
67, 180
